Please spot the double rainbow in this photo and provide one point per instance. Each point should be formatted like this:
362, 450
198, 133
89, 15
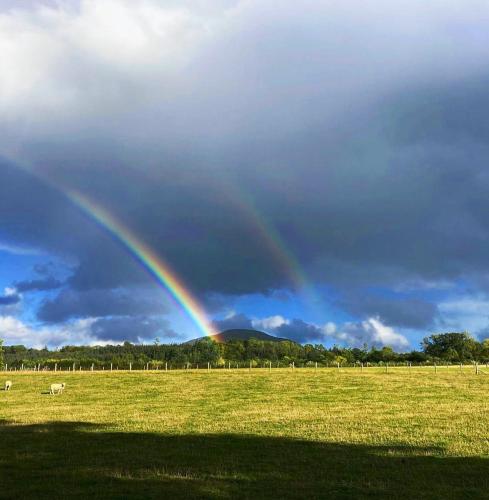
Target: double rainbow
161, 271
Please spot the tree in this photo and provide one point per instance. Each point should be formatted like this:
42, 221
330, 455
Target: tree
340, 360
387, 354
452, 346
484, 350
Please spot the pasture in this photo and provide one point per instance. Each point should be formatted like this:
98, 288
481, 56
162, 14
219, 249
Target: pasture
304, 433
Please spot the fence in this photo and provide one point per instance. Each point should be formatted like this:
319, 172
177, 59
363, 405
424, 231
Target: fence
248, 365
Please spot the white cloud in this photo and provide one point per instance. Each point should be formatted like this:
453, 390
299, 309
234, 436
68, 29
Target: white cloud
186, 65
464, 314
467, 306
353, 334
269, 323
18, 250
14, 331
69, 59
373, 332
329, 328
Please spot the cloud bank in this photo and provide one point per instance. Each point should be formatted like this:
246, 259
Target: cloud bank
248, 144
353, 334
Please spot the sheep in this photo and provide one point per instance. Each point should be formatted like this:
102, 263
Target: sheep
8, 385
57, 388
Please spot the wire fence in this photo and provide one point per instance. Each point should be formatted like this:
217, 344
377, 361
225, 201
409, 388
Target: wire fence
479, 369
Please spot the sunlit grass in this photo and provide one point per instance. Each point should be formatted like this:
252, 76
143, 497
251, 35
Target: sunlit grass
399, 414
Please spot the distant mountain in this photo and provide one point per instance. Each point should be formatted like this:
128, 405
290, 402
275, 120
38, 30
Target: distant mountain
240, 334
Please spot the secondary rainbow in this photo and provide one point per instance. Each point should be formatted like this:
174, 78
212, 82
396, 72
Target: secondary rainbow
145, 256
273, 241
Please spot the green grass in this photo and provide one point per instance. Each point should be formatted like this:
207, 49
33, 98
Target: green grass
238, 434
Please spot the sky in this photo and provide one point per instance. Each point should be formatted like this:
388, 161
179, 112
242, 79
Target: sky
313, 169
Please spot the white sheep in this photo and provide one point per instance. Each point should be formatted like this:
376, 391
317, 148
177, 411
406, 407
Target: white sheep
57, 388
8, 385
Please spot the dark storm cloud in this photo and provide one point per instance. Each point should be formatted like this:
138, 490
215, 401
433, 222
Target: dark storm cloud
234, 321
300, 331
106, 269
49, 283
367, 157
401, 312
44, 269
70, 304
9, 300
40, 216
131, 329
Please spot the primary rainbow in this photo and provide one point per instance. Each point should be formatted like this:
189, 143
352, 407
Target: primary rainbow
145, 256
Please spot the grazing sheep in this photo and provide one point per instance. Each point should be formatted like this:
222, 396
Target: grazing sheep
57, 388
8, 385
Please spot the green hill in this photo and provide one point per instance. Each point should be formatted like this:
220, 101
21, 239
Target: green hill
241, 334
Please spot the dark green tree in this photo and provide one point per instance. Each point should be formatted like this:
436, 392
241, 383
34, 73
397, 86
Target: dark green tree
454, 346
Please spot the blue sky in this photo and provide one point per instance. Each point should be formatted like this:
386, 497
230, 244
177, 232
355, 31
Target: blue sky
316, 171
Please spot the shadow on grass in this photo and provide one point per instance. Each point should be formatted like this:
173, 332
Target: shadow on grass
61, 460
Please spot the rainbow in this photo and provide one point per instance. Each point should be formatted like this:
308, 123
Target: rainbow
145, 256
272, 240
139, 250
162, 272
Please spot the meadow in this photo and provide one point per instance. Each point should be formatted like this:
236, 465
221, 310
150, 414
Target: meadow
302, 433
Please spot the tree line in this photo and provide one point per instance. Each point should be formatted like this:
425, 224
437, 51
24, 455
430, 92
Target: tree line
442, 348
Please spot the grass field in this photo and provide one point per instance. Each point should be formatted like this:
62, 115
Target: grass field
305, 433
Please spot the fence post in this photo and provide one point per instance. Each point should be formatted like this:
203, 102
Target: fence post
270, 367
110, 366
130, 367
476, 368
92, 367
